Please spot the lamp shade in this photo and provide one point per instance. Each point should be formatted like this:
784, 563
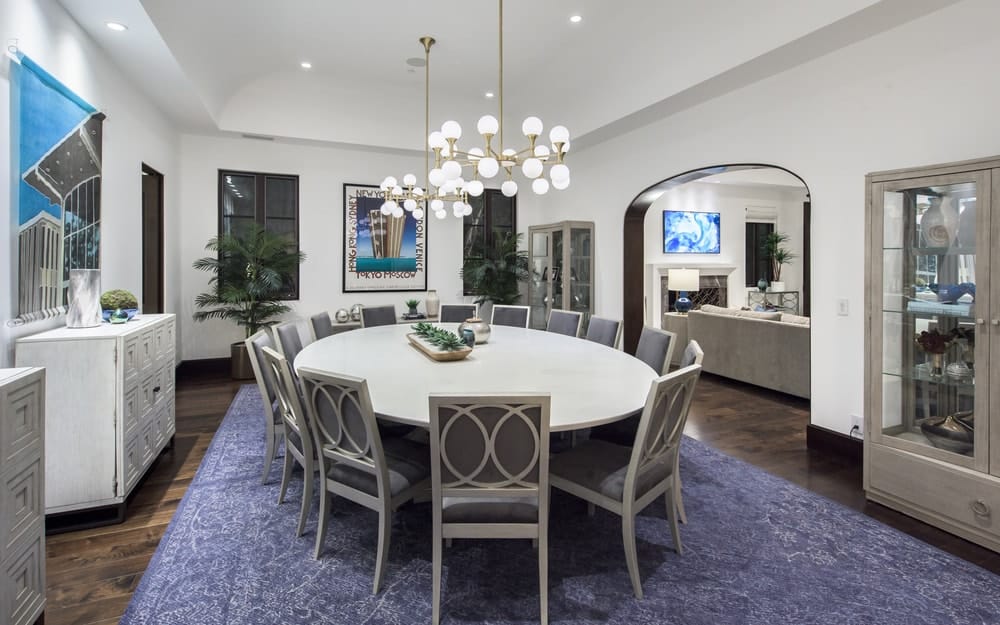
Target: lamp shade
682, 279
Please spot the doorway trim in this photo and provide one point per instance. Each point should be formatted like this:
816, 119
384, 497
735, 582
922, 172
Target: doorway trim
633, 254
159, 268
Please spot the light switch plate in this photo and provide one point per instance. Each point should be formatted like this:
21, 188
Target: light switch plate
843, 308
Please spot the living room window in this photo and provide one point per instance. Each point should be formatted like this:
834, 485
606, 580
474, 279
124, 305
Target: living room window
493, 217
757, 265
270, 201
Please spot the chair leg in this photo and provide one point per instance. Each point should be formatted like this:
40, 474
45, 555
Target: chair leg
436, 567
447, 543
631, 557
591, 509
675, 530
269, 451
385, 527
308, 476
286, 472
543, 576
679, 501
324, 504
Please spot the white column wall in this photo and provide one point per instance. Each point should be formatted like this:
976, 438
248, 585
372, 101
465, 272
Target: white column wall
922, 93
135, 131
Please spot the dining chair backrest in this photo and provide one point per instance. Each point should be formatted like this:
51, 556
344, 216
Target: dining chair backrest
565, 322
457, 313
343, 421
508, 315
661, 424
322, 325
289, 340
261, 371
487, 447
604, 331
655, 348
372, 316
693, 354
289, 404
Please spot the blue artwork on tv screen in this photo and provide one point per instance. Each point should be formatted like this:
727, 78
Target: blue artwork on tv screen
688, 232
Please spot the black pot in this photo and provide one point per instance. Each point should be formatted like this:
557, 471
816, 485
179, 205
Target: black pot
240, 367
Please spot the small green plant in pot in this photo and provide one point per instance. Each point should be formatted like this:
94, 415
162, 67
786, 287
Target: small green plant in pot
412, 304
250, 275
118, 305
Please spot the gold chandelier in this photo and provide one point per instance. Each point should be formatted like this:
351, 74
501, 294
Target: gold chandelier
457, 174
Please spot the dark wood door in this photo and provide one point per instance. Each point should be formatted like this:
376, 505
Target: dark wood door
152, 240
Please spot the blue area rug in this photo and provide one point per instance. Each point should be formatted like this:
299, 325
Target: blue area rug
758, 550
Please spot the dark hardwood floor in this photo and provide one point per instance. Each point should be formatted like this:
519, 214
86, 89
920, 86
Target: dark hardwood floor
92, 573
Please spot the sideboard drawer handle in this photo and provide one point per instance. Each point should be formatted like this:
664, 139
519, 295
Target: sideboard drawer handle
979, 508
156, 389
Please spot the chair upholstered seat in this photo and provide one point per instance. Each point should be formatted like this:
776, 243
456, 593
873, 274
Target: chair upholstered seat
408, 463
489, 510
601, 467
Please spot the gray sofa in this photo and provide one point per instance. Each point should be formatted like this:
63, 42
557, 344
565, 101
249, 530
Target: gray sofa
768, 349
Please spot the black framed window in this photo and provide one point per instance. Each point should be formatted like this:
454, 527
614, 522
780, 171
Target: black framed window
757, 265
270, 201
493, 215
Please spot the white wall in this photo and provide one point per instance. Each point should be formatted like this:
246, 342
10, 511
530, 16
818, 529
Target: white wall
322, 173
731, 202
134, 132
922, 93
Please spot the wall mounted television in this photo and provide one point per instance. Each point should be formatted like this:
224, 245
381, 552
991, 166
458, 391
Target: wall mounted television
690, 232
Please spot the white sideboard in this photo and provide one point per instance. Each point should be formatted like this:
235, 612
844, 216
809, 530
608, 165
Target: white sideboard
109, 407
22, 486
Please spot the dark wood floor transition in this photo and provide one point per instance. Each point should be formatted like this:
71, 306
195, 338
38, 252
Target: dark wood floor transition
92, 573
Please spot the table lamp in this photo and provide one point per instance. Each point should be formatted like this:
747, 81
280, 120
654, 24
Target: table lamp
682, 281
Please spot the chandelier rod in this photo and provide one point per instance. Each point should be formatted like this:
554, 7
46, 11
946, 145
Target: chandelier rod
501, 75
428, 42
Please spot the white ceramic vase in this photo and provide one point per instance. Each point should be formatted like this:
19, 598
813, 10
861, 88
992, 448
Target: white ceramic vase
433, 303
777, 287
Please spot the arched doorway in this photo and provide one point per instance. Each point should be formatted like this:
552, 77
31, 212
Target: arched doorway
634, 254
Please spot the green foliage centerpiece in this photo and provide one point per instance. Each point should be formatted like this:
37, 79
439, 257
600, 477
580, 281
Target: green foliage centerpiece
439, 337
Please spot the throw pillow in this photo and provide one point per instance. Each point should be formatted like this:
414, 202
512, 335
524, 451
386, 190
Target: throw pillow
752, 314
796, 319
718, 310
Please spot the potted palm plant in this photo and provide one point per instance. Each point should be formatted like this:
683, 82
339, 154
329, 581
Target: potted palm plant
496, 278
777, 254
251, 272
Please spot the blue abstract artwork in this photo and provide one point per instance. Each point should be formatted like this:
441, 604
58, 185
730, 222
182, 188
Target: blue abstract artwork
57, 169
689, 232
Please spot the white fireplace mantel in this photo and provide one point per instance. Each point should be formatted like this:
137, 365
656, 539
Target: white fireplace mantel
655, 271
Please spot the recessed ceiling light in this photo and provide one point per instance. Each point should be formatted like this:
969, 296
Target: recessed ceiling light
115, 26
489, 94
306, 65
576, 19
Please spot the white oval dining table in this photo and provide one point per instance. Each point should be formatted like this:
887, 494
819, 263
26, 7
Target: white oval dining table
589, 384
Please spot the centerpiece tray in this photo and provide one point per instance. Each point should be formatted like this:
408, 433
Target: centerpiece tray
435, 353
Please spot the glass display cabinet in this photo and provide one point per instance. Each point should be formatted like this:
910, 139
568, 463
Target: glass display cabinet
562, 270
932, 437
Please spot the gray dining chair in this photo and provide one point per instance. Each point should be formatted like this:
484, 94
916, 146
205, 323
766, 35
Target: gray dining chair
489, 475
322, 325
298, 438
605, 331
509, 315
655, 348
274, 426
457, 313
355, 462
625, 480
565, 322
289, 340
693, 355
372, 316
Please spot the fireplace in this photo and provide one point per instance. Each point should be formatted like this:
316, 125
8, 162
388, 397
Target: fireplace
711, 290
713, 280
